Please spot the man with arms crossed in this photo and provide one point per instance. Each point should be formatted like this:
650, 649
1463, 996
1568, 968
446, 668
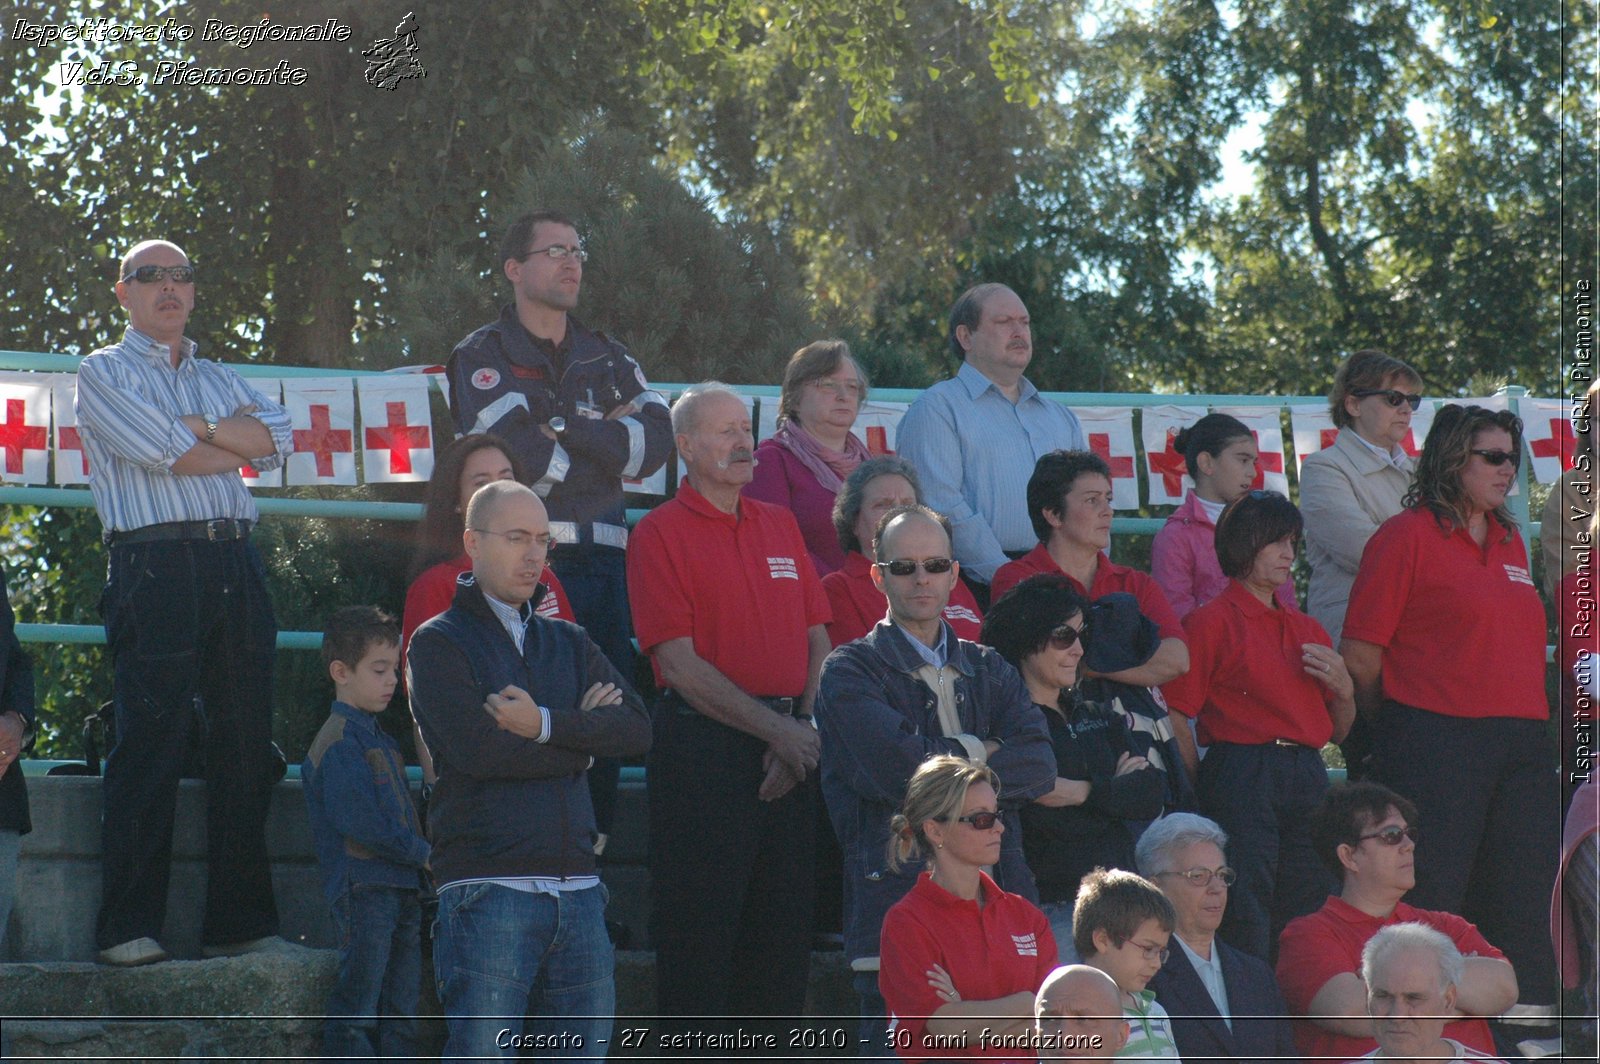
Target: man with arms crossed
188, 620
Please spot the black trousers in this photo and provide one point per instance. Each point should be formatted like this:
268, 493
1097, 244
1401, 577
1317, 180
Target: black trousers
1263, 795
730, 875
192, 640
1487, 795
596, 582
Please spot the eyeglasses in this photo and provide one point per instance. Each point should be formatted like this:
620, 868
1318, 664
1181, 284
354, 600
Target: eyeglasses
1393, 396
843, 389
1202, 877
558, 252
907, 566
1498, 458
1151, 953
155, 274
982, 821
1064, 637
1391, 835
517, 537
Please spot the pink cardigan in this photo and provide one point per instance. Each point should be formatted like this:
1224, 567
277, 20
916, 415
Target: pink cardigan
1184, 563
783, 480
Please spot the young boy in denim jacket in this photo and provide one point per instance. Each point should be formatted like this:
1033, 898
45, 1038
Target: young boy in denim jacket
369, 843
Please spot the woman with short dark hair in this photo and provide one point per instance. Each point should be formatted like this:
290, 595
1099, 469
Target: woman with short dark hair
1267, 691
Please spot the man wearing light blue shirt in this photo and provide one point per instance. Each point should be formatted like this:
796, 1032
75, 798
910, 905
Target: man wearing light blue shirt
975, 438
188, 621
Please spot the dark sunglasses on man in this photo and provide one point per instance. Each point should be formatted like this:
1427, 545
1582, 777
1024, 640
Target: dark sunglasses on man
907, 566
156, 274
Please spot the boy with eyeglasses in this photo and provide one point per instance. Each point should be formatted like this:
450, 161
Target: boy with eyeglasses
1121, 924
1367, 834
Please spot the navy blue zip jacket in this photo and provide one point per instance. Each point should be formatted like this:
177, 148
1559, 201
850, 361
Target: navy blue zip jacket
363, 821
504, 806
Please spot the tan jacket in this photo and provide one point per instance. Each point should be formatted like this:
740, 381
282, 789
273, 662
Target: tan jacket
1346, 492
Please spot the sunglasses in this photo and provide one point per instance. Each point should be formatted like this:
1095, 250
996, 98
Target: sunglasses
907, 566
154, 274
981, 821
1391, 835
1066, 636
1498, 458
1393, 396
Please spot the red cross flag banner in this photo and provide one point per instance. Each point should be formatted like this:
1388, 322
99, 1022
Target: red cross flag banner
1547, 427
1313, 431
1108, 430
25, 428
1266, 425
396, 428
271, 388
72, 461
322, 414
877, 424
1169, 476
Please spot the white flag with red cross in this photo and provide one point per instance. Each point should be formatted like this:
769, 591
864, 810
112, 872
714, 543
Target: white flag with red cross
396, 429
270, 388
322, 415
1168, 473
877, 423
72, 461
1266, 425
1108, 431
1313, 431
25, 428
1547, 427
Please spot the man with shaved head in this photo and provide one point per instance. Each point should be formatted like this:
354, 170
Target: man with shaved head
1078, 1015
188, 621
904, 692
732, 614
515, 708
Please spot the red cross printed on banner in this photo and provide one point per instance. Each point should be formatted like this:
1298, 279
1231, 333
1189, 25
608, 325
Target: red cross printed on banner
71, 441
323, 440
398, 437
1559, 443
1326, 438
1265, 463
1170, 464
1121, 465
18, 436
1409, 444
249, 472
877, 440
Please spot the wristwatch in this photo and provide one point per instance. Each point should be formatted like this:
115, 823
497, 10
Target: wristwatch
211, 427
557, 425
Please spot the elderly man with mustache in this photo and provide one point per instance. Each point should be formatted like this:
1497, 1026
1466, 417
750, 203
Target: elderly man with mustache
732, 614
188, 621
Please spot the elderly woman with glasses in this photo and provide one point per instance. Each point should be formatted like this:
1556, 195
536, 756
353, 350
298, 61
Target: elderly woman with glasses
962, 959
1224, 1004
872, 489
1267, 691
802, 466
1102, 787
1445, 638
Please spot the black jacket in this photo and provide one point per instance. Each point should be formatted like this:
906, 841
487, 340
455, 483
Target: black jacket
16, 693
1260, 1031
505, 806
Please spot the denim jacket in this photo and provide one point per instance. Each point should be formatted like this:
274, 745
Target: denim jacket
363, 821
879, 721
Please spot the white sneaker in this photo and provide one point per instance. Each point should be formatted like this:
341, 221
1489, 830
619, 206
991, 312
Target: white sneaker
133, 954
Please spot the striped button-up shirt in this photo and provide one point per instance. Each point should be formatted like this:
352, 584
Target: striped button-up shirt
129, 401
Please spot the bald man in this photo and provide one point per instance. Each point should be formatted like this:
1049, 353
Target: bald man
515, 707
188, 621
1078, 1015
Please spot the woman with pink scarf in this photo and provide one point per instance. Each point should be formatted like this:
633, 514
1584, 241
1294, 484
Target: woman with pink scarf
802, 466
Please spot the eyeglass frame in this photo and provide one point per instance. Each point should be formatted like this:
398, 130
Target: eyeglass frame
566, 251
1497, 458
511, 537
971, 819
1408, 831
159, 274
1226, 874
1394, 397
945, 565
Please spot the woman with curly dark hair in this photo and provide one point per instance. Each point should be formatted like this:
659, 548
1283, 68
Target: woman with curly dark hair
1445, 639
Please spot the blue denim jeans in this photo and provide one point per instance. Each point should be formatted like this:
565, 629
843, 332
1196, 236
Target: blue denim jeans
372, 1010
524, 971
192, 640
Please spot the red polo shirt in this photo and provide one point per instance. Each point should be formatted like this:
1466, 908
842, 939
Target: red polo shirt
740, 585
1108, 577
1461, 626
1247, 681
993, 952
857, 603
1328, 942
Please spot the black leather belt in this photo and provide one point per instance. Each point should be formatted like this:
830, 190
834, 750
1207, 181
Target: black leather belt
220, 530
789, 707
